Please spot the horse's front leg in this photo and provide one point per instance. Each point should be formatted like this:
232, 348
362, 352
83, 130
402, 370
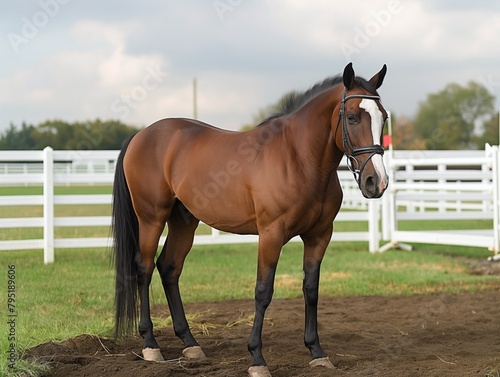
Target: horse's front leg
314, 250
269, 252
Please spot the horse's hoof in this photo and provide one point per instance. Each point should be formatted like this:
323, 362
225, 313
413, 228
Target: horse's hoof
194, 352
152, 354
259, 371
321, 362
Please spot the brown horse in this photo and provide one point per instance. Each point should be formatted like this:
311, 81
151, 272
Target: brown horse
277, 180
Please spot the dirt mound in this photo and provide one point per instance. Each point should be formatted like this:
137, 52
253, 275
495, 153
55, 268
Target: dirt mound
426, 335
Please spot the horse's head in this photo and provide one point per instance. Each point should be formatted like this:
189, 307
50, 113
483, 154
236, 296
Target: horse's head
362, 117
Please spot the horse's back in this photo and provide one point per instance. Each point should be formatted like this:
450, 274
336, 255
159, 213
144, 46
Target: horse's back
164, 141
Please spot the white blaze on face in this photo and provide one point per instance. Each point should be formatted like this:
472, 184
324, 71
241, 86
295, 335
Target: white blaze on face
370, 106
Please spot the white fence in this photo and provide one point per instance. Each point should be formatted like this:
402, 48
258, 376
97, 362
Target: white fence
443, 185
425, 186
51, 168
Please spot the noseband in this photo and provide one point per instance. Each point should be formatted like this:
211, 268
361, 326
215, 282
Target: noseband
352, 163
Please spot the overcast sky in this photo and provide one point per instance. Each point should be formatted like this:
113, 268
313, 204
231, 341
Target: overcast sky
136, 60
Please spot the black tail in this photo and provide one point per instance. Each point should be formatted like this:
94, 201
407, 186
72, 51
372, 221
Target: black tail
125, 251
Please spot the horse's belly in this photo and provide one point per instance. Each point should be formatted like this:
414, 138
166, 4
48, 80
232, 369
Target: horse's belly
228, 221
228, 213
238, 228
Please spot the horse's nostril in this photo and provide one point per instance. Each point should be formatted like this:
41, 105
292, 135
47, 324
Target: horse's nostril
371, 183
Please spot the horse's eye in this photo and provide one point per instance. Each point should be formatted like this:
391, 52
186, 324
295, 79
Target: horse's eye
351, 118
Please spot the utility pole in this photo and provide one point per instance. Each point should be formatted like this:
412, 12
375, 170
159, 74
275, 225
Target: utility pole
195, 100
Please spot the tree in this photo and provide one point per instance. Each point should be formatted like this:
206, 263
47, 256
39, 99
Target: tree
450, 118
58, 134
403, 134
490, 132
262, 114
53, 133
17, 139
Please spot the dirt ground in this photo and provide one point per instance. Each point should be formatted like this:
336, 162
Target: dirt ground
424, 335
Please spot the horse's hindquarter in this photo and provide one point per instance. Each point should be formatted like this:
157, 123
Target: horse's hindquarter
193, 162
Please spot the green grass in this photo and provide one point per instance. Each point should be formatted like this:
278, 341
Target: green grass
58, 190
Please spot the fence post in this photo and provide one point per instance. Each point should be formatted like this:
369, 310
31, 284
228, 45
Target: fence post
441, 168
392, 208
215, 233
48, 205
373, 225
496, 194
386, 204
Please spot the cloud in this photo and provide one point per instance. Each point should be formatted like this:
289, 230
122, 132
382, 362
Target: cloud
138, 64
116, 69
83, 81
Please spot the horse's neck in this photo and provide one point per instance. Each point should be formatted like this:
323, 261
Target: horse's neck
316, 134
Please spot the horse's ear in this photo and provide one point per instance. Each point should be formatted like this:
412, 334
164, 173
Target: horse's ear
348, 76
378, 78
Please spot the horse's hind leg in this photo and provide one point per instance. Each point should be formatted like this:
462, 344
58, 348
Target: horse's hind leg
149, 235
181, 227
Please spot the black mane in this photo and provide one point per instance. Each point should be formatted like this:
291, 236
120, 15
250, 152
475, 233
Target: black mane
295, 99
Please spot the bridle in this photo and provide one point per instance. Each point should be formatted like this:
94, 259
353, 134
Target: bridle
352, 162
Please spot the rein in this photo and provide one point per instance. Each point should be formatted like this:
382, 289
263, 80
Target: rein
352, 162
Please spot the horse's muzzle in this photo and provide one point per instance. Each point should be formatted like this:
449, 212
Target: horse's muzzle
373, 187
